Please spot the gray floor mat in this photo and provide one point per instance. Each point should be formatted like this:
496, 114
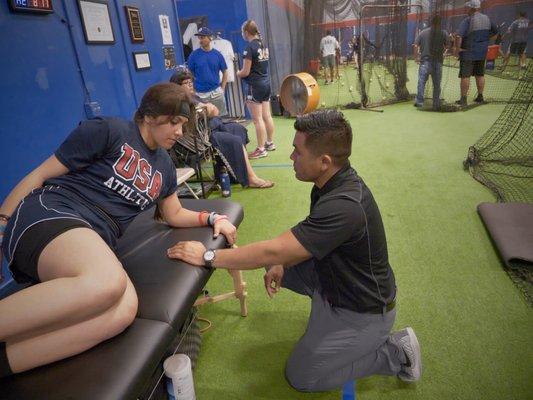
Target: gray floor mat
510, 226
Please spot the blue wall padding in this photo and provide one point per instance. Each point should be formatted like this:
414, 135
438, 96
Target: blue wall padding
42, 92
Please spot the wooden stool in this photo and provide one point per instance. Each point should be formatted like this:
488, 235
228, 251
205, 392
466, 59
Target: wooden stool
239, 291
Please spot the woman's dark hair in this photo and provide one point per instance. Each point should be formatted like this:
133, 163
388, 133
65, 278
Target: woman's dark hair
327, 132
166, 99
182, 73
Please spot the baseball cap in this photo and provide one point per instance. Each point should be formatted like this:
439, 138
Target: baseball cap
473, 4
204, 31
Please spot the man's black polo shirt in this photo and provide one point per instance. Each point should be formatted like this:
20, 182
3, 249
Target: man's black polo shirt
344, 233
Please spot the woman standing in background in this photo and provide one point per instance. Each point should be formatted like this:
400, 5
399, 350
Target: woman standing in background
255, 73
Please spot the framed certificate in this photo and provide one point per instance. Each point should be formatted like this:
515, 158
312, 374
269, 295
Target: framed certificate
142, 60
96, 21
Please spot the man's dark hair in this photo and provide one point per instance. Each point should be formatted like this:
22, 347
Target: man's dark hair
326, 132
328, 32
522, 14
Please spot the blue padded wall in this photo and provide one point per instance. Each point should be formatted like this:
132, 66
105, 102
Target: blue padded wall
42, 93
225, 17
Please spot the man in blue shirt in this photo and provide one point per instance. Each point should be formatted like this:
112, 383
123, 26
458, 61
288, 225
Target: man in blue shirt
206, 64
471, 46
519, 31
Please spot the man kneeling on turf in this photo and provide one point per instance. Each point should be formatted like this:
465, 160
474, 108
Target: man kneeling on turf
338, 257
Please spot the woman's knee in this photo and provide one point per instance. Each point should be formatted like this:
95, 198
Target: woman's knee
123, 316
258, 120
104, 287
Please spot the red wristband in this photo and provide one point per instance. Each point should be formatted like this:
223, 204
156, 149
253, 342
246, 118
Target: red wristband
200, 220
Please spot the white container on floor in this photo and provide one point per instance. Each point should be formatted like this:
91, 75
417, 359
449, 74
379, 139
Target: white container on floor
178, 368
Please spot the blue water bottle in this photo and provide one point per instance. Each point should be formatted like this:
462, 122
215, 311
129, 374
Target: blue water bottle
348, 391
225, 183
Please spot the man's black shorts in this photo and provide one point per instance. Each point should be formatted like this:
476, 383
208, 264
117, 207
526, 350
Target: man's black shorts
518, 48
467, 68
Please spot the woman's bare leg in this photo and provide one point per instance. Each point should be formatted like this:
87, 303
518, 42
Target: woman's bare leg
253, 180
267, 120
81, 278
260, 130
56, 345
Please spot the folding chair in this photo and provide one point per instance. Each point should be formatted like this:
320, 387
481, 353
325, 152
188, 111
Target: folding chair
194, 149
182, 174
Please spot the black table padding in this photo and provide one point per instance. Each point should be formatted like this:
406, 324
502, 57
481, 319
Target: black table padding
121, 367
160, 281
511, 227
115, 369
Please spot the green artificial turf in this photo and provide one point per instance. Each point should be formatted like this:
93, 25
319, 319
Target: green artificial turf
474, 327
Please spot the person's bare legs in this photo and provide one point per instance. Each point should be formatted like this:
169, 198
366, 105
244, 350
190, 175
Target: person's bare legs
257, 115
268, 121
506, 60
480, 84
523, 60
465, 85
82, 280
331, 72
56, 345
253, 180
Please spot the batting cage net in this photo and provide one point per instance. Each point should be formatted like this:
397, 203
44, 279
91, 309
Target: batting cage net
370, 56
502, 68
502, 159
374, 61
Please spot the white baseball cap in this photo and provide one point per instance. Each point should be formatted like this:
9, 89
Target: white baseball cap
473, 4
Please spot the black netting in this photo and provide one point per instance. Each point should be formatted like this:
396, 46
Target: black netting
500, 81
375, 64
502, 159
375, 40
384, 48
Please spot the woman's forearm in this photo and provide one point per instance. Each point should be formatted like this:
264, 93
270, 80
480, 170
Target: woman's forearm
24, 187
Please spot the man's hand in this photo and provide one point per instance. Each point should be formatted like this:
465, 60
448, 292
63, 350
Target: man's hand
273, 279
190, 252
222, 225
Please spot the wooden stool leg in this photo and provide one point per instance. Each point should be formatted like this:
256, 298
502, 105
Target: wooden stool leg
239, 287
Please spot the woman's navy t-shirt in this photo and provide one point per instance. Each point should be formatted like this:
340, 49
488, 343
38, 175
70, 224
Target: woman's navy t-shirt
111, 167
258, 54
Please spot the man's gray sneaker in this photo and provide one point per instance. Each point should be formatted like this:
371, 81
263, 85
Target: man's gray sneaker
407, 341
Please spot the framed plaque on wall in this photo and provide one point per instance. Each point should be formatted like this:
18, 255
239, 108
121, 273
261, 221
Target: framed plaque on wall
135, 26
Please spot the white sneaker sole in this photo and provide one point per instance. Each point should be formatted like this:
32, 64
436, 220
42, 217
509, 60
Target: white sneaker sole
416, 368
257, 157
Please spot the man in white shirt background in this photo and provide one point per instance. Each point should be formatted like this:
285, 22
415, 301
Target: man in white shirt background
328, 45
